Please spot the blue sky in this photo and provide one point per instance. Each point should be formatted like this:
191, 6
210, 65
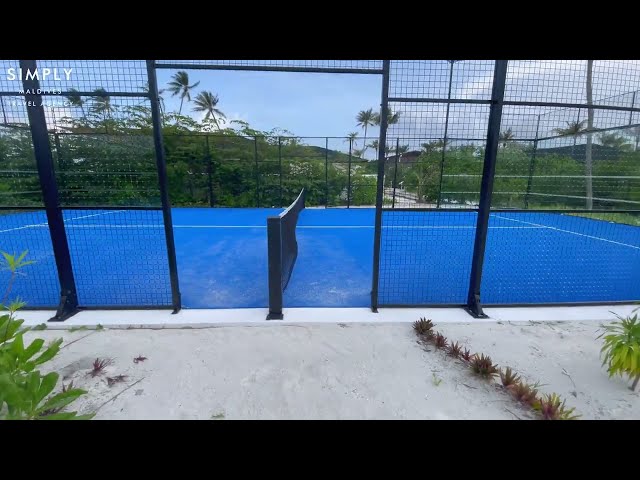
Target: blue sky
307, 104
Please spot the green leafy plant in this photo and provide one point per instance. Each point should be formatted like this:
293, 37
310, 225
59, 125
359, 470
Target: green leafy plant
13, 264
435, 380
621, 348
78, 329
441, 341
26, 394
483, 366
508, 377
552, 407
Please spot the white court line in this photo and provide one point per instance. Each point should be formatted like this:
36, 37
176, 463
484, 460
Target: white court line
65, 221
93, 215
569, 231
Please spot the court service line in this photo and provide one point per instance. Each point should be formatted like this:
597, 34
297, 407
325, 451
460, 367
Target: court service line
93, 215
569, 231
45, 224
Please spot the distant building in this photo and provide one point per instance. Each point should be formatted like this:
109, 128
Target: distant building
407, 157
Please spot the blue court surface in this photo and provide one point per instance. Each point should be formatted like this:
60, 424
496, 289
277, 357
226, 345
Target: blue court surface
119, 258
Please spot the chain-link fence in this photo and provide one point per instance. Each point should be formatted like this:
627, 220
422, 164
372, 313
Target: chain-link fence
562, 189
522, 177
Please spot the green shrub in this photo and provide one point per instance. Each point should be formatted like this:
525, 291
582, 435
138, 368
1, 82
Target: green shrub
25, 394
621, 349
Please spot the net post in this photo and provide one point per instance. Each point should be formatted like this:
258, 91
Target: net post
474, 306
280, 167
61, 183
209, 160
349, 174
326, 172
68, 305
161, 164
395, 173
255, 157
382, 142
532, 166
274, 246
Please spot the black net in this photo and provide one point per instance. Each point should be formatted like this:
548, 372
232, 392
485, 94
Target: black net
23, 221
288, 224
564, 225
98, 117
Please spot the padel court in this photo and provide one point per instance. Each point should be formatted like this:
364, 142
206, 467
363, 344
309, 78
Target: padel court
425, 257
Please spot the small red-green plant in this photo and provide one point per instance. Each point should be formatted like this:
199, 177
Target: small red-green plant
466, 355
483, 366
455, 350
422, 326
139, 358
508, 377
525, 393
99, 365
441, 341
552, 407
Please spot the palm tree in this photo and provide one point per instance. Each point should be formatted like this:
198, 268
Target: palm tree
364, 120
392, 118
614, 140
352, 138
588, 161
75, 100
208, 102
574, 129
506, 136
180, 86
102, 103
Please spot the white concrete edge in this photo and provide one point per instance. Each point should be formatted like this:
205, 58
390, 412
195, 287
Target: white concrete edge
164, 319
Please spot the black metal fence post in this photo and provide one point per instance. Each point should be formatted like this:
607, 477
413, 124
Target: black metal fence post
532, 166
209, 160
163, 184
61, 166
274, 245
326, 172
255, 157
68, 305
474, 306
280, 167
446, 132
349, 175
395, 173
633, 102
382, 142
